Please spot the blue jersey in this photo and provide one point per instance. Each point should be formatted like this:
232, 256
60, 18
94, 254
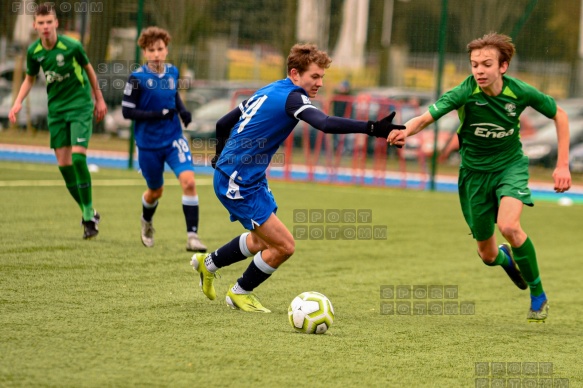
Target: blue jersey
266, 120
149, 91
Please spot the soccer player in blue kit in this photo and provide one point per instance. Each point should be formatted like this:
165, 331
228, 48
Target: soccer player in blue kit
152, 100
247, 138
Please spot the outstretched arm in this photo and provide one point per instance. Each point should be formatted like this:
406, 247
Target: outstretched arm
301, 108
341, 125
561, 175
413, 126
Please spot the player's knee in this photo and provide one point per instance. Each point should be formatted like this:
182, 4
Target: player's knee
487, 255
285, 250
288, 249
155, 194
509, 231
188, 186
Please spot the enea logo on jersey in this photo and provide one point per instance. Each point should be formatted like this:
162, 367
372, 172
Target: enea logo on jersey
491, 130
51, 77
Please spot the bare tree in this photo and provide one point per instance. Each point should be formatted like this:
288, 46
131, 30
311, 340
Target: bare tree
477, 18
182, 17
7, 19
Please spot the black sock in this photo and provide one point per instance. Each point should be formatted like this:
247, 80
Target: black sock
191, 217
253, 276
229, 253
148, 211
190, 210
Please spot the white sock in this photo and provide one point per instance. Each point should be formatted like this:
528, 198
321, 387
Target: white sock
243, 245
210, 264
238, 290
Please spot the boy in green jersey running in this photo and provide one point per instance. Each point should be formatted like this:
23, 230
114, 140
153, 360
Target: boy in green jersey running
70, 80
493, 178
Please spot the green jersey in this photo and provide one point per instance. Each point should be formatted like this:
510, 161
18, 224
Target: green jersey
489, 131
68, 87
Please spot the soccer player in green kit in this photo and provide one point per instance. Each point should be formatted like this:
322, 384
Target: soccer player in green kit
70, 79
493, 177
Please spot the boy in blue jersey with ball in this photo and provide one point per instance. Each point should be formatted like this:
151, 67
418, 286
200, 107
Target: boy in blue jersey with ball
151, 99
247, 138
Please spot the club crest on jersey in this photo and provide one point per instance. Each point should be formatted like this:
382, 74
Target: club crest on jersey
60, 60
306, 100
150, 83
510, 108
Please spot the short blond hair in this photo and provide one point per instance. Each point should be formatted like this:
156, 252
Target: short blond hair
301, 56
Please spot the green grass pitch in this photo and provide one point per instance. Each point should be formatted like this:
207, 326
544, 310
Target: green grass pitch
110, 312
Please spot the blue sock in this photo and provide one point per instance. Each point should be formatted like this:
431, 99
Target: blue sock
537, 301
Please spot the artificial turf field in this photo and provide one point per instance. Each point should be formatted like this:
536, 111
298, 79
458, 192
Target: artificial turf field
110, 312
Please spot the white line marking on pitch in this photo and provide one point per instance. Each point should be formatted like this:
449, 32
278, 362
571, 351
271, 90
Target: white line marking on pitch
95, 182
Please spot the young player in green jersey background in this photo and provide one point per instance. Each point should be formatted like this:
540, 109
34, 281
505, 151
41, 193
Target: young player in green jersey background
70, 80
493, 178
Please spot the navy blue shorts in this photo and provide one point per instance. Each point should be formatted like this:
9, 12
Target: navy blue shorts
251, 206
151, 162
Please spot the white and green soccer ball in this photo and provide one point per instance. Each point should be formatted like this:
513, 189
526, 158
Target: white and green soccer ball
311, 313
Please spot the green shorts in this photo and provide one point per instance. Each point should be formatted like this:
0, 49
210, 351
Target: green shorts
480, 194
71, 128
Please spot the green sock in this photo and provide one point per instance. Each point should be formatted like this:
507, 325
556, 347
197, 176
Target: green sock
525, 257
501, 259
68, 173
83, 184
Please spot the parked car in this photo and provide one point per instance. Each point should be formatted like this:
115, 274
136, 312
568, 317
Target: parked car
376, 103
5, 89
421, 145
531, 120
203, 92
38, 109
542, 148
576, 158
205, 117
7, 69
572, 106
116, 124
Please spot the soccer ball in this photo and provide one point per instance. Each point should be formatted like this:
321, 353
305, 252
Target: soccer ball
311, 313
